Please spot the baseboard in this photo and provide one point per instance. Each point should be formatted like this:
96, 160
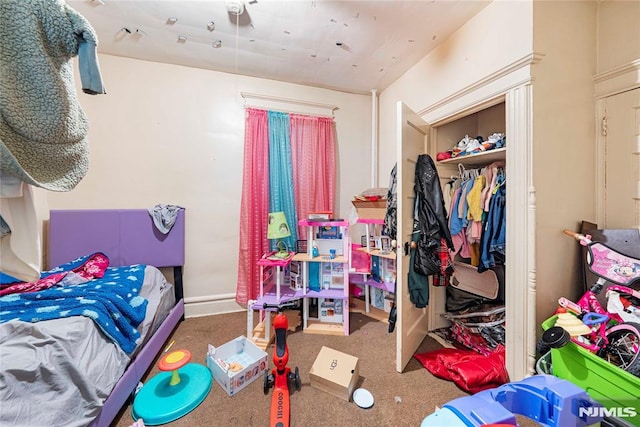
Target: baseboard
214, 306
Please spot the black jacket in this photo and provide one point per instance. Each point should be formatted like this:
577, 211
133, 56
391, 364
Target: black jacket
431, 215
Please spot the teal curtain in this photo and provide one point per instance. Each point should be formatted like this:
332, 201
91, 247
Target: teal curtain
281, 187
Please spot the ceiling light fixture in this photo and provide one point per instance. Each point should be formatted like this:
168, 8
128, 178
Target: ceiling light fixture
235, 7
171, 21
211, 26
217, 44
182, 39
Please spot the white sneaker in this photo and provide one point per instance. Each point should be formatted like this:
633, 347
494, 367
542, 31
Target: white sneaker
474, 146
495, 137
460, 148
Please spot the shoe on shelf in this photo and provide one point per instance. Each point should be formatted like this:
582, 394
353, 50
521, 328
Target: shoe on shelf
444, 155
497, 139
461, 146
474, 146
463, 143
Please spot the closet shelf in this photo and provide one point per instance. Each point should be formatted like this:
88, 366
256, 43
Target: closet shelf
482, 158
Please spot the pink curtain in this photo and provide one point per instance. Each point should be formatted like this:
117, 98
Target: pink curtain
313, 161
254, 205
313, 157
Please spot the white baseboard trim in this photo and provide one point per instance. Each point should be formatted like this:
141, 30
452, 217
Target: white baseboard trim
211, 305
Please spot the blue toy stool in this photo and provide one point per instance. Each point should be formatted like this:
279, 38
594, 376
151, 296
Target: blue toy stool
549, 400
173, 393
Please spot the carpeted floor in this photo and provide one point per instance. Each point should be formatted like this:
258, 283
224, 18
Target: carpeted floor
400, 399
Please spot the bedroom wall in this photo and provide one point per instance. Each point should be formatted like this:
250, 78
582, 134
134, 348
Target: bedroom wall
564, 131
618, 34
497, 36
175, 135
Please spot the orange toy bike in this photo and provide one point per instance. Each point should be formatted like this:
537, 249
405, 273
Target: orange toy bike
281, 376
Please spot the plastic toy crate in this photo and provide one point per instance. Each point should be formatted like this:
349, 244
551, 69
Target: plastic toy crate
611, 386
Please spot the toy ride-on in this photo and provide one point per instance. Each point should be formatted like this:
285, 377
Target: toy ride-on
281, 376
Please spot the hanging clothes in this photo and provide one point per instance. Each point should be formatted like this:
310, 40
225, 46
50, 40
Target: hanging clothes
431, 216
475, 213
389, 228
390, 219
418, 283
493, 240
473, 209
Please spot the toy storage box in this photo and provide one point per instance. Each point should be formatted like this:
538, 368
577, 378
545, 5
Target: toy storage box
611, 386
243, 352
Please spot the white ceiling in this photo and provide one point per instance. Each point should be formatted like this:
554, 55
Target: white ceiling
352, 46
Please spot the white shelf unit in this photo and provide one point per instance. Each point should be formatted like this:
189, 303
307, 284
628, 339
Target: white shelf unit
339, 291
483, 122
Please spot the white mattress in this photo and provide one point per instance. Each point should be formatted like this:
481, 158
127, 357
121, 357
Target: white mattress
59, 372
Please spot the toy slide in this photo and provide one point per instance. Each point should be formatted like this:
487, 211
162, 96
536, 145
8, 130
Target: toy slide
546, 399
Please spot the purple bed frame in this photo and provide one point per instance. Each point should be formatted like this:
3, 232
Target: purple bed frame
126, 236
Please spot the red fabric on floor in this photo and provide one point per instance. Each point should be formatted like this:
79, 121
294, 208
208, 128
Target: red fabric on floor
470, 370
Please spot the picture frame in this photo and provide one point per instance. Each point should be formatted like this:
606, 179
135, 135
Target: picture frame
385, 244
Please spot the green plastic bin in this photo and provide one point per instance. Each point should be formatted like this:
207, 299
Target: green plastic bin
617, 390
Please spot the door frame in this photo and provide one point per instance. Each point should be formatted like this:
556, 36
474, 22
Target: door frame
514, 84
608, 83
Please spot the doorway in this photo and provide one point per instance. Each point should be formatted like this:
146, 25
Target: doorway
621, 160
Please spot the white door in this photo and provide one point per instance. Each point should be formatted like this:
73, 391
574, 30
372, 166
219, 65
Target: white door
411, 323
622, 166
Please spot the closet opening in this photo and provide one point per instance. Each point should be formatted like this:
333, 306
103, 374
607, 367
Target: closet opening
469, 149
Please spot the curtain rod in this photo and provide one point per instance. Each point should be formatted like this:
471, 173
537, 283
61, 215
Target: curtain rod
329, 107
289, 111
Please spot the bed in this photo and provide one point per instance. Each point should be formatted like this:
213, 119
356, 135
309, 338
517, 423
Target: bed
69, 371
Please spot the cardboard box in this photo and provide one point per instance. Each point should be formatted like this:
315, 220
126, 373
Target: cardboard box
335, 372
240, 351
370, 210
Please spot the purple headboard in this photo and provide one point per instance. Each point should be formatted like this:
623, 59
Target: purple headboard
126, 236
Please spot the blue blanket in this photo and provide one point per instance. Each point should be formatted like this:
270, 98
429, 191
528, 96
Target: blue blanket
113, 302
